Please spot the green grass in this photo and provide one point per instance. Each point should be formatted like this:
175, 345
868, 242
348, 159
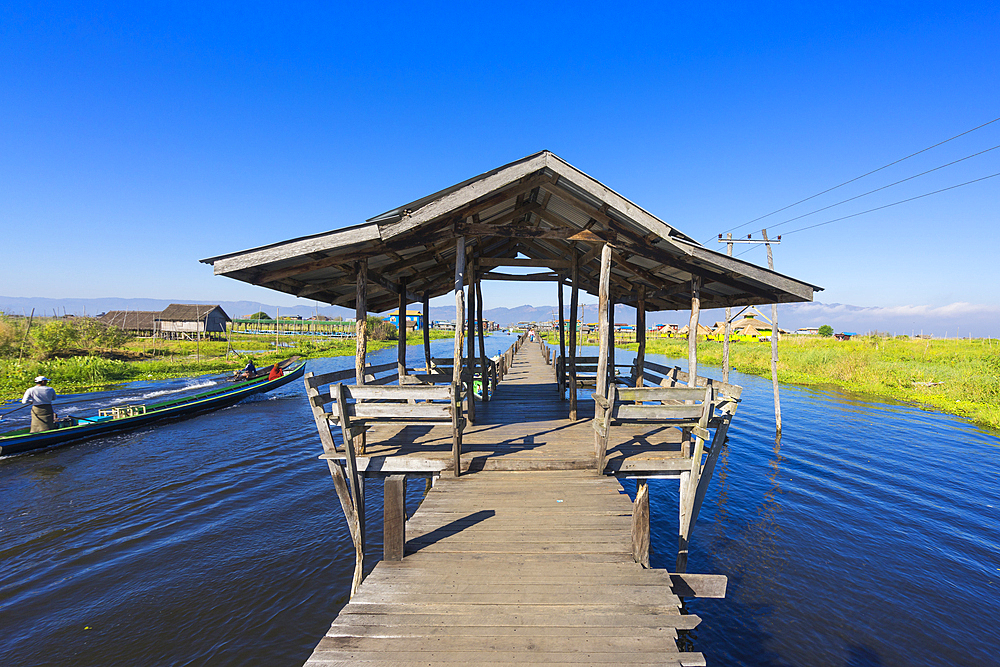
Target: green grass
960, 377
161, 359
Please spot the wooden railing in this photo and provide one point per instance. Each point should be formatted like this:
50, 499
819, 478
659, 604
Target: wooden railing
665, 399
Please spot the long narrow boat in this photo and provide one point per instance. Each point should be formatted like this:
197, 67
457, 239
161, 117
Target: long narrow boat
125, 417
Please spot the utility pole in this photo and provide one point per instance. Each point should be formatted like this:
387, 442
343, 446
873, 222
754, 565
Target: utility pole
729, 241
729, 316
774, 342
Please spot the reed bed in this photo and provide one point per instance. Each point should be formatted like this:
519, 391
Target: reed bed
960, 377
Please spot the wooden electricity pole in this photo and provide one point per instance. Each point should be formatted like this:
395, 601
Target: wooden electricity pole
774, 321
727, 331
774, 342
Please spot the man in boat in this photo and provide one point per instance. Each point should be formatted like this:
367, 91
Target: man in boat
275, 373
248, 371
40, 397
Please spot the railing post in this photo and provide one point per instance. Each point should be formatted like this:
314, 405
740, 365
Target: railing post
394, 524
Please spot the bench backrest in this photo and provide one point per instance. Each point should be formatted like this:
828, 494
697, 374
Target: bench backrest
662, 404
432, 403
676, 378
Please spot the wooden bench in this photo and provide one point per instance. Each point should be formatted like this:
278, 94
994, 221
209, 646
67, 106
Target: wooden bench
355, 409
688, 408
586, 373
695, 410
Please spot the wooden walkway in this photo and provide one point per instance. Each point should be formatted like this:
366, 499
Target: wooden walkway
524, 427
527, 558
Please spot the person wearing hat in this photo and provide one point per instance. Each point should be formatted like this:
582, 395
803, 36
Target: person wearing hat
40, 397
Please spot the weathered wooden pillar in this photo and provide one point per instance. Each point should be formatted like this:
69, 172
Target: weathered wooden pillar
427, 332
611, 340
482, 340
471, 359
401, 331
640, 523
640, 335
394, 513
456, 376
361, 322
574, 297
603, 351
351, 499
561, 367
727, 331
693, 331
684, 533
361, 335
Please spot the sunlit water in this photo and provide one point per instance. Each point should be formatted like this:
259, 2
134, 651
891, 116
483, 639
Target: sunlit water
868, 537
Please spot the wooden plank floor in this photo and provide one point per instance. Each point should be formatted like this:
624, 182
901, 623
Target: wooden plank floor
524, 558
513, 567
524, 427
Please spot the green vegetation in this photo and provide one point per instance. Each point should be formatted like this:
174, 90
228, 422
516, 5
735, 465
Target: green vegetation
81, 354
826, 330
961, 377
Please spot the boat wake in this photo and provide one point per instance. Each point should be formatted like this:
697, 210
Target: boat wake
165, 392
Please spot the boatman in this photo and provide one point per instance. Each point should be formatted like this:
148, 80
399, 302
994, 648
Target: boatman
248, 371
40, 397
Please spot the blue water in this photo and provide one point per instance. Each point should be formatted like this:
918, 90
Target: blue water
868, 537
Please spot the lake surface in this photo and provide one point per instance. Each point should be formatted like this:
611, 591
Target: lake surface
869, 536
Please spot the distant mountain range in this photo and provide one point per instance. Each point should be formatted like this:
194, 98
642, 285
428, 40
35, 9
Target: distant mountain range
951, 320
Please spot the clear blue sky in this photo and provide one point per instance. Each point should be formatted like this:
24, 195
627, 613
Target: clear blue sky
135, 140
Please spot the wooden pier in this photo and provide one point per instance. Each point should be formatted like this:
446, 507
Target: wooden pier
525, 550
528, 559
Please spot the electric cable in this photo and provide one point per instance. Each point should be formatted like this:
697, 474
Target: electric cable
783, 208
879, 208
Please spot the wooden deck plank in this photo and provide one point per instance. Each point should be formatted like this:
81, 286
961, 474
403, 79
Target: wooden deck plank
524, 559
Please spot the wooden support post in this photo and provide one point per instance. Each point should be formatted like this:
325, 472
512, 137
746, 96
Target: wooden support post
727, 331
355, 526
573, 300
693, 331
640, 524
456, 376
401, 331
357, 489
471, 359
611, 340
427, 332
690, 481
394, 524
361, 333
482, 341
640, 336
361, 322
774, 345
603, 351
683, 534
562, 344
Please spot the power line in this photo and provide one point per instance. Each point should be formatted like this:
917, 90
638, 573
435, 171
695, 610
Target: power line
783, 208
879, 208
909, 178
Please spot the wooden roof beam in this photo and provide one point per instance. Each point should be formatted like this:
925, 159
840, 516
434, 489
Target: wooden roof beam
446, 204
530, 277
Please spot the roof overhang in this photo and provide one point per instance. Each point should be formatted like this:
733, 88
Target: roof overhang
536, 211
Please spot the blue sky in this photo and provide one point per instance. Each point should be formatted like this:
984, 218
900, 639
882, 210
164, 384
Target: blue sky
136, 140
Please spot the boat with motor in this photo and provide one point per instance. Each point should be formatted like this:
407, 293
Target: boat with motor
125, 417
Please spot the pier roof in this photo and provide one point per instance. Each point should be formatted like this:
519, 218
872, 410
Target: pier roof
532, 212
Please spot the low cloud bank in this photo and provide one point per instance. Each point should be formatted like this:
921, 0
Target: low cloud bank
951, 320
